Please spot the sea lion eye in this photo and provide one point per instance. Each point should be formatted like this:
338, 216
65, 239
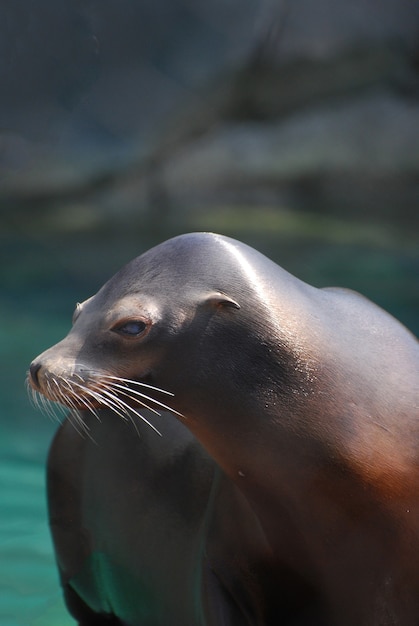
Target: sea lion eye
133, 328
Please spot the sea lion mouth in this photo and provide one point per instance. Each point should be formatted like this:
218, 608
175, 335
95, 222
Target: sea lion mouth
99, 391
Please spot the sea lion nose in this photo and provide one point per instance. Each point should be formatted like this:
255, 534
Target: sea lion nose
33, 372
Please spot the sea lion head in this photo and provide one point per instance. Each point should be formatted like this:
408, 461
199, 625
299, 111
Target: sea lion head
189, 317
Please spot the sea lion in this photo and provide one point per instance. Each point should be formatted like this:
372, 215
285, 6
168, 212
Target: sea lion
307, 399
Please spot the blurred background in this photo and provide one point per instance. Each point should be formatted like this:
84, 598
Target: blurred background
289, 124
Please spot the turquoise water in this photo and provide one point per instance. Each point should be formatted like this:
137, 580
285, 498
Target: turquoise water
29, 593
39, 288
29, 590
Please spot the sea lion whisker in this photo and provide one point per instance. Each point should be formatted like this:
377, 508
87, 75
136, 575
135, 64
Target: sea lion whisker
32, 395
107, 400
69, 400
41, 403
137, 382
35, 398
127, 392
57, 411
63, 401
65, 382
126, 408
118, 406
54, 393
134, 424
89, 406
111, 401
49, 389
126, 413
138, 414
80, 425
60, 395
75, 416
80, 398
72, 394
48, 407
87, 403
103, 396
54, 410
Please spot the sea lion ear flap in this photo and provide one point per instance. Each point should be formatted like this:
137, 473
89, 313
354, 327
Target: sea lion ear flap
218, 299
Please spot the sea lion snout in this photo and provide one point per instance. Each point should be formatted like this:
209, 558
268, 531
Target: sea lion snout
60, 379
55, 366
34, 368
40, 371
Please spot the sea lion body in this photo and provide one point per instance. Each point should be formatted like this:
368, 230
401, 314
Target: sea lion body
140, 525
308, 400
